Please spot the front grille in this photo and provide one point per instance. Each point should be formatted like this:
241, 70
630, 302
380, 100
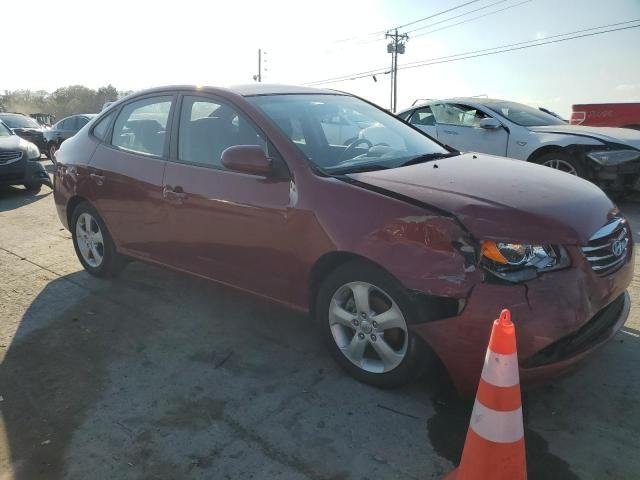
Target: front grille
9, 156
590, 334
608, 248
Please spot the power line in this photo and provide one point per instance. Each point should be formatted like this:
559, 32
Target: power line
484, 52
381, 32
519, 48
469, 19
457, 16
427, 17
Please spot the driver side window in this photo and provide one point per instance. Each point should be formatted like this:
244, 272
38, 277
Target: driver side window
208, 127
422, 116
457, 114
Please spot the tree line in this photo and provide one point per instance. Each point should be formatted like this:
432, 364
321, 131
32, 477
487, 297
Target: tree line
63, 102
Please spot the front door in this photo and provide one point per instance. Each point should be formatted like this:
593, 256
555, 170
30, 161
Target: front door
228, 226
126, 173
459, 127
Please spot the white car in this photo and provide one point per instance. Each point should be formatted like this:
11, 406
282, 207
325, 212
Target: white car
610, 157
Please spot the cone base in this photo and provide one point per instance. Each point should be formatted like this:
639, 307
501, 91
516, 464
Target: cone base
452, 475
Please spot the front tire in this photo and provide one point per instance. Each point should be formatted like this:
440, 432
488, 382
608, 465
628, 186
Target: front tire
364, 315
33, 188
51, 152
563, 162
93, 244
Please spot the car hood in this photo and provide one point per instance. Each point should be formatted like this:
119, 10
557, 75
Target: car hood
12, 142
625, 136
31, 130
498, 198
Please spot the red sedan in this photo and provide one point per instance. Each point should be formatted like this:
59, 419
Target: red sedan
398, 246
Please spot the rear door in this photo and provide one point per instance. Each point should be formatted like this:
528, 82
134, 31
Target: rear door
423, 119
458, 126
126, 172
224, 225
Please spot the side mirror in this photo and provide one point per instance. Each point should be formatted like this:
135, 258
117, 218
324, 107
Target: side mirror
249, 159
490, 123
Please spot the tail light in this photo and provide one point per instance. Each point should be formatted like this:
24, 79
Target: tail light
578, 117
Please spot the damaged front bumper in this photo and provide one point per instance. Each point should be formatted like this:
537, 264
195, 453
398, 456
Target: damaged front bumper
623, 177
560, 317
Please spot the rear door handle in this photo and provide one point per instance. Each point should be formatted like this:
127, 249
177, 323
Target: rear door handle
99, 179
450, 132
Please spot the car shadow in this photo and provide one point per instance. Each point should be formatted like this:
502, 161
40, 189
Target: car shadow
16, 197
160, 375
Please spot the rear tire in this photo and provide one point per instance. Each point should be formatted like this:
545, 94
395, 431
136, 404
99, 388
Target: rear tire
358, 342
93, 244
563, 162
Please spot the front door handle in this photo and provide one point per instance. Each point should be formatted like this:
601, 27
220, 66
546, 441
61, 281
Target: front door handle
450, 132
175, 195
99, 179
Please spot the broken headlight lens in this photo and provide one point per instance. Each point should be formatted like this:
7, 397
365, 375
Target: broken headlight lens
609, 158
518, 262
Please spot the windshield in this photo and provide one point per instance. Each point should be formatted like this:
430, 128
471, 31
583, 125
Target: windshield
4, 131
19, 121
340, 133
524, 115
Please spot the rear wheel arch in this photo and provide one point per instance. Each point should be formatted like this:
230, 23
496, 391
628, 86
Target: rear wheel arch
72, 204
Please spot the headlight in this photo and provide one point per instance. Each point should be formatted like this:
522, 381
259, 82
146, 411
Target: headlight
32, 152
517, 262
614, 157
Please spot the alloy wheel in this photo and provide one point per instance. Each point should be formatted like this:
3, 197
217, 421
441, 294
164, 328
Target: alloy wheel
89, 239
561, 165
368, 327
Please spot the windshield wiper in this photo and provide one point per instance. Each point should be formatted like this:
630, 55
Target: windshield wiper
428, 157
370, 167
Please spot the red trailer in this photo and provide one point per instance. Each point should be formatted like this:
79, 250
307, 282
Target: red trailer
625, 115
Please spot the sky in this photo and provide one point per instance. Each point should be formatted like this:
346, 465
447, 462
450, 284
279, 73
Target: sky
140, 44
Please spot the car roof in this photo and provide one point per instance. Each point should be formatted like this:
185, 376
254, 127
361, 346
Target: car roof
246, 90
476, 100
276, 89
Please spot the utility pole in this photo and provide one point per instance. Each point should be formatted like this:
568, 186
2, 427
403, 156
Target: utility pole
258, 77
395, 47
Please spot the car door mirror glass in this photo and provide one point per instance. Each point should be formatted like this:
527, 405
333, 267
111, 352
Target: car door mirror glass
249, 159
490, 123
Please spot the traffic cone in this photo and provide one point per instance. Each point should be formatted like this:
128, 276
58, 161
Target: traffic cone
494, 448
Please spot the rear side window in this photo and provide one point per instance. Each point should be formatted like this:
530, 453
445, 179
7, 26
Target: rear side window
141, 126
101, 128
208, 127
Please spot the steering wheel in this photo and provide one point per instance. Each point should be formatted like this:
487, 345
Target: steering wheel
352, 146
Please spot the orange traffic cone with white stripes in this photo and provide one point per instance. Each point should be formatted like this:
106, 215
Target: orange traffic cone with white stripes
494, 448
